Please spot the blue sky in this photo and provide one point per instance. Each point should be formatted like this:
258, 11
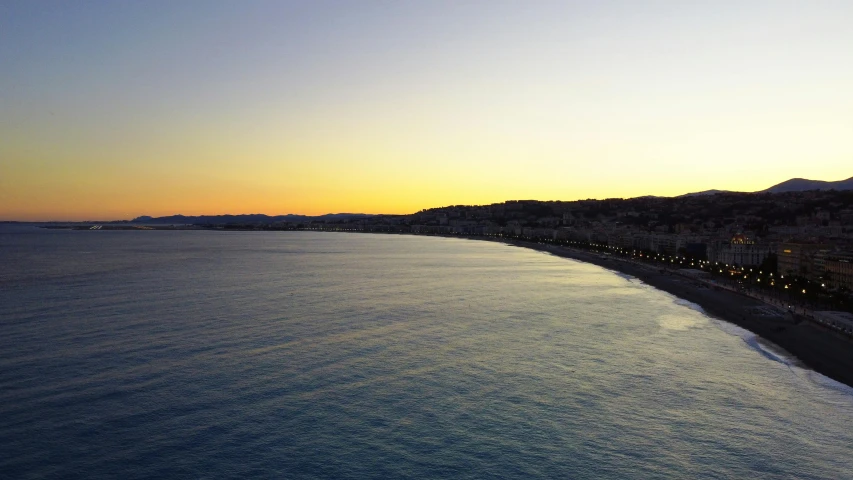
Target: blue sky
129, 108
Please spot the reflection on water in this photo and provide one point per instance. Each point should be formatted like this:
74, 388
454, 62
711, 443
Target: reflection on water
323, 355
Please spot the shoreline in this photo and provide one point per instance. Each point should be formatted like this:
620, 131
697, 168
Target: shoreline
816, 348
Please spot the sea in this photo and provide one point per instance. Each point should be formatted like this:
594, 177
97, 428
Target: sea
321, 355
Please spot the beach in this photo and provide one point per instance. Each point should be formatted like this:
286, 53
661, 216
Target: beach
813, 345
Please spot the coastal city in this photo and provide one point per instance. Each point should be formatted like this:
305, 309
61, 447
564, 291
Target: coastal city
799, 244
793, 248
778, 264
514, 240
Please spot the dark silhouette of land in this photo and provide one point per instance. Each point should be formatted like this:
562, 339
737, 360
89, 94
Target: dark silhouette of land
792, 185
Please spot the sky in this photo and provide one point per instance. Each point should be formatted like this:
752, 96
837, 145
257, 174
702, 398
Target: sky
111, 110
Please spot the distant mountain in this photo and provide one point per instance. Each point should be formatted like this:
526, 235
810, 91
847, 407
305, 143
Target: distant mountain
253, 218
705, 192
792, 185
802, 184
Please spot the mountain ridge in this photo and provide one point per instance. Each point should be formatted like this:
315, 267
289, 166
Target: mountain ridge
791, 185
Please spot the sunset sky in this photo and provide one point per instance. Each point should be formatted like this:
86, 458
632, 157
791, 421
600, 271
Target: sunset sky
114, 109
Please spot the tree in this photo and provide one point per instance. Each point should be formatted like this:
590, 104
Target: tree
770, 264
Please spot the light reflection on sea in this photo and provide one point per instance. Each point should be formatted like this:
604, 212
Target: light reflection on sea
323, 355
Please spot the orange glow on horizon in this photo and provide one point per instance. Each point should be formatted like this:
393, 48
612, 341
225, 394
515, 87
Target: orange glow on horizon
417, 105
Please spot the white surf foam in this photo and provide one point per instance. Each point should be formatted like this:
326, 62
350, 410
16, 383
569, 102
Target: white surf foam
690, 305
828, 383
624, 275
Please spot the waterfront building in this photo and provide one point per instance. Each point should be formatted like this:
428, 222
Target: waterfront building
838, 270
739, 250
798, 258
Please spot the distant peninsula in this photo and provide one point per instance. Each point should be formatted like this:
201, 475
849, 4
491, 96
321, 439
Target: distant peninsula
252, 218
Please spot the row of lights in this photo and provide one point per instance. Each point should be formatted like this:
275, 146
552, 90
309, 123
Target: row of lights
702, 263
672, 259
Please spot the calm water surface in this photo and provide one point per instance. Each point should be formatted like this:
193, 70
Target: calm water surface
331, 355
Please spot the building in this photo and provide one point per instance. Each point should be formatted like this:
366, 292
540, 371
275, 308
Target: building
740, 250
838, 270
798, 258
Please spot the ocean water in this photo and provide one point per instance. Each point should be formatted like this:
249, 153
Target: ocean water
331, 355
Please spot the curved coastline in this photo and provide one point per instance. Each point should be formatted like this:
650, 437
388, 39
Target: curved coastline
816, 348
819, 350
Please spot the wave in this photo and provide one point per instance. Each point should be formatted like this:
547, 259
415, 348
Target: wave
690, 305
768, 352
624, 275
760, 345
777, 354
828, 383
752, 340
